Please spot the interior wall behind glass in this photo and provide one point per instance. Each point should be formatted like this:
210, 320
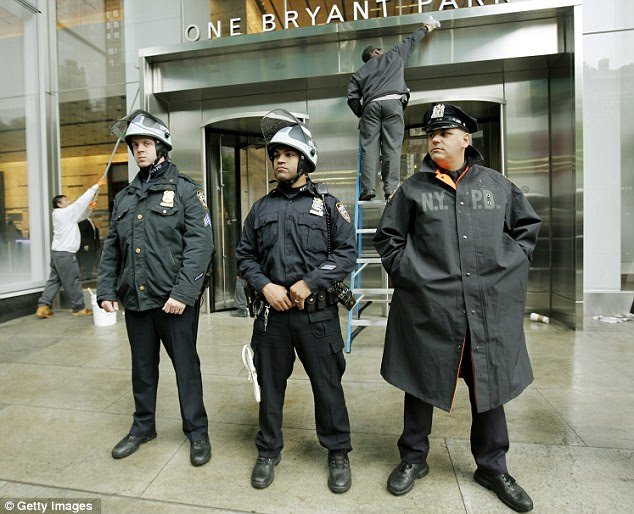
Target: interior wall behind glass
15, 260
252, 16
92, 95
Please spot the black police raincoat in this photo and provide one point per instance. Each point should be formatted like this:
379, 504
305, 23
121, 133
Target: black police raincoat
458, 257
159, 243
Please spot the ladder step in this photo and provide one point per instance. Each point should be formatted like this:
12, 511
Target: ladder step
385, 290
369, 260
369, 322
372, 203
366, 231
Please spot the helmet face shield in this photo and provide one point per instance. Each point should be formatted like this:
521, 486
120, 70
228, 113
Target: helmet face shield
281, 128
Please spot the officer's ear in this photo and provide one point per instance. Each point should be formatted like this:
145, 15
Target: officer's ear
466, 140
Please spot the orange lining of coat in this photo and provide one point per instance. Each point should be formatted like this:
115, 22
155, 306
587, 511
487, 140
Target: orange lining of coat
455, 390
443, 177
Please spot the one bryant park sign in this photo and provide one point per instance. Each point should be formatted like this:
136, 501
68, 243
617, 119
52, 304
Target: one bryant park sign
360, 11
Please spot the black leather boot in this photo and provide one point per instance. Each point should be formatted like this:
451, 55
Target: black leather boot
402, 479
264, 471
339, 477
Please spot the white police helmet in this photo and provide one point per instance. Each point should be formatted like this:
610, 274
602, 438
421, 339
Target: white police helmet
142, 123
281, 128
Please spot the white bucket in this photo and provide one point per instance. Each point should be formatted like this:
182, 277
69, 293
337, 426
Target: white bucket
101, 317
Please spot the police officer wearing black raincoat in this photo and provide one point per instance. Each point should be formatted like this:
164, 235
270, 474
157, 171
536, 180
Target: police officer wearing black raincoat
154, 261
297, 241
457, 240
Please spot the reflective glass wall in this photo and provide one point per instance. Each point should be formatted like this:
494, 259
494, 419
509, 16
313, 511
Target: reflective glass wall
608, 107
92, 94
18, 104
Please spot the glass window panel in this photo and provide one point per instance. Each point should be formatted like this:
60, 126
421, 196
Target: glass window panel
609, 99
15, 248
92, 92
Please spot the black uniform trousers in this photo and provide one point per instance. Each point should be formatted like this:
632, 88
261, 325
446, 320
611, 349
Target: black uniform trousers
316, 338
146, 330
489, 434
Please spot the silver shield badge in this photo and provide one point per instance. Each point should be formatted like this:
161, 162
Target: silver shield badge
168, 199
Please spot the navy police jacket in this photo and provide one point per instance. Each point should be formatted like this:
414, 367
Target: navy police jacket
285, 239
159, 244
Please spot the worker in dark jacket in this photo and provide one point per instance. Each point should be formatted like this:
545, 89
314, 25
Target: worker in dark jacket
457, 240
296, 243
377, 94
154, 261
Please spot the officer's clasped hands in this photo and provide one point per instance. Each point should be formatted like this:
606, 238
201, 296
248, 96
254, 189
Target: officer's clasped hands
277, 297
282, 299
299, 291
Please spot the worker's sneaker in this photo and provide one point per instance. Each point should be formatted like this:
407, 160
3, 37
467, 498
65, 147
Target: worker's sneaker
83, 312
44, 311
366, 196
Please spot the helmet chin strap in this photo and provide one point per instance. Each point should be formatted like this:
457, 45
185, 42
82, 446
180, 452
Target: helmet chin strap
289, 182
151, 169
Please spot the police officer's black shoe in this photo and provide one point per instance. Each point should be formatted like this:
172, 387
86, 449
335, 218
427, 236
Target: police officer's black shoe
263, 471
507, 489
339, 478
200, 452
367, 195
402, 479
129, 444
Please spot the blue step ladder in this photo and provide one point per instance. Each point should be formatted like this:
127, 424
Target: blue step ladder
368, 261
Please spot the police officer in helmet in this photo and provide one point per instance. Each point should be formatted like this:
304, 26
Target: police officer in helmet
154, 262
296, 243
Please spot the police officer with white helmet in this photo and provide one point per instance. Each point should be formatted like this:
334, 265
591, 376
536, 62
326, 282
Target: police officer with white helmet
297, 242
154, 261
